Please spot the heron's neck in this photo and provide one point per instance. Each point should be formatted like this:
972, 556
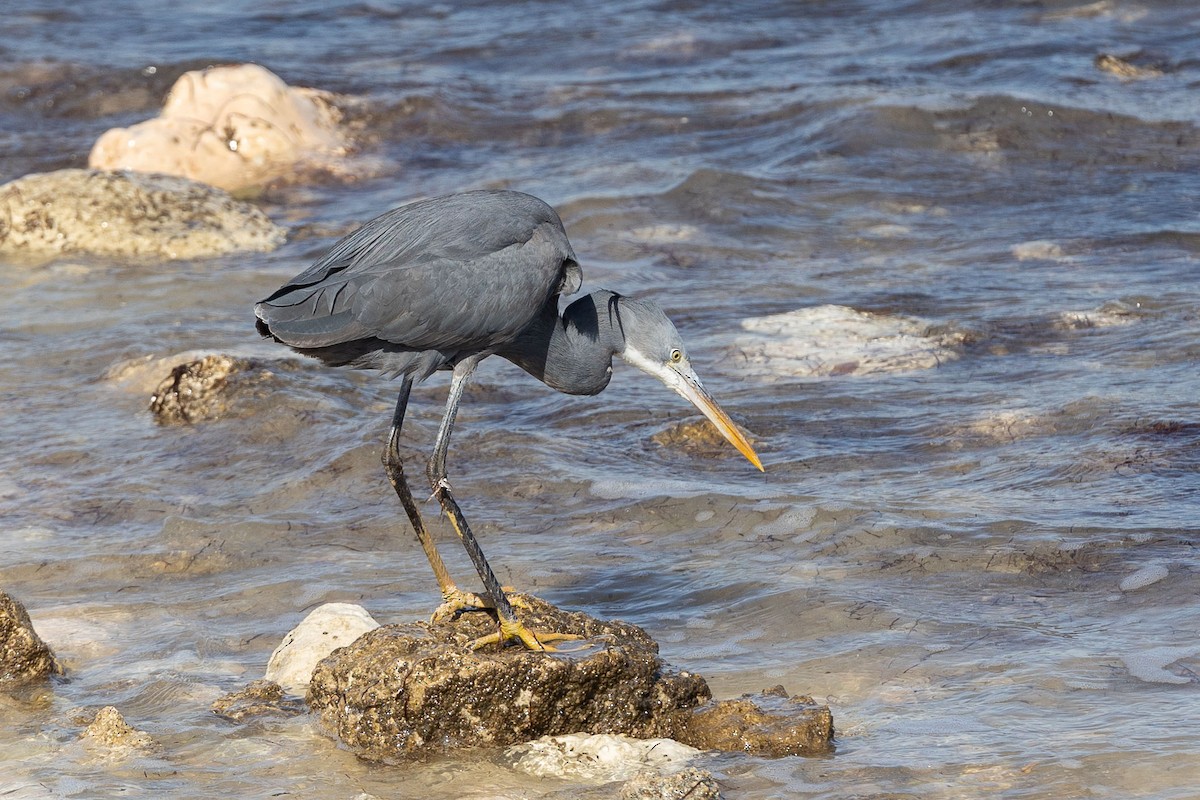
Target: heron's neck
572, 352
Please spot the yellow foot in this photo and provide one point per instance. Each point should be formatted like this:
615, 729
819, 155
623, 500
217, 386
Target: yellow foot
457, 601
532, 640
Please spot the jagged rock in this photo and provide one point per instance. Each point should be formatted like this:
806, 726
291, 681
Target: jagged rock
238, 127
690, 784
770, 724
325, 629
258, 698
127, 214
201, 390
24, 656
418, 688
110, 729
406, 690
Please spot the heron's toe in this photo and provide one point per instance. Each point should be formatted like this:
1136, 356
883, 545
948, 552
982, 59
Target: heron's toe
515, 631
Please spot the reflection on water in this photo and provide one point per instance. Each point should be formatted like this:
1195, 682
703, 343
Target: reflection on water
986, 565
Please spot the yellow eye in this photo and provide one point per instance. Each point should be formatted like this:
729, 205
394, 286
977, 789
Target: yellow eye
676, 356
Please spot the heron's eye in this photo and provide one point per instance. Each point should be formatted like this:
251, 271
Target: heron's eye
676, 356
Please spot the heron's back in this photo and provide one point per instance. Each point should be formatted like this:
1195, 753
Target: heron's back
426, 284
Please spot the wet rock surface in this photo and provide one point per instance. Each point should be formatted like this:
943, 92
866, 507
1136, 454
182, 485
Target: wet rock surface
598, 757
417, 689
109, 729
406, 690
770, 724
24, 657
688, 784
127, 214
205, 388
259, 698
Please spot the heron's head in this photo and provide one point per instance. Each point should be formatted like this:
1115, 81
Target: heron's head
654, 346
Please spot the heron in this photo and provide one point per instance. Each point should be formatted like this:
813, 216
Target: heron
443, 283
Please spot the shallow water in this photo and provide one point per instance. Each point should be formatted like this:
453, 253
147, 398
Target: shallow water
987, 567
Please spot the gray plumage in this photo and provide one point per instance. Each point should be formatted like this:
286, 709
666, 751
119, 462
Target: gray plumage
447, 282
428, 284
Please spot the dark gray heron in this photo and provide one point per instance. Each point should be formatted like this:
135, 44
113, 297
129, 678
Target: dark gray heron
442, 284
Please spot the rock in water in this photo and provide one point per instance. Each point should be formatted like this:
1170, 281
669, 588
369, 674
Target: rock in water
407, 690
203, 389
238, 127
325, 629
689, 784
110, 729
410, 690
260, 698
127, 214
770, 724
23, 655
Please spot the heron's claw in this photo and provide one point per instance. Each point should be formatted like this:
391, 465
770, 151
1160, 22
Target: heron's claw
510, 630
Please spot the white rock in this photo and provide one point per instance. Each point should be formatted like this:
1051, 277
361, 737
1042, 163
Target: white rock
598, 758
836, 340
327, 628
236, 127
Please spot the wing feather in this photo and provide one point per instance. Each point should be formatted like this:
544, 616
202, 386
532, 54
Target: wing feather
460, 273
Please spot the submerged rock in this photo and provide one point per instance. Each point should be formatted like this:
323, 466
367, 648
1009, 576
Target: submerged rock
259, 698
1138, 66
836, 340
325, 629
237, 127
697, 437
418, 688
770, 724
688, 784
598, 757
202, 389
127, 214
24, 657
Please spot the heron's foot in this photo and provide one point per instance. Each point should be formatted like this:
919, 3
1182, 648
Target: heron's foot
514, 630
457, 601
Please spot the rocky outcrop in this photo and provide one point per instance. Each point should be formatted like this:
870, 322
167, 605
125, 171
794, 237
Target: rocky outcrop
414, 689
127, 214
24, 657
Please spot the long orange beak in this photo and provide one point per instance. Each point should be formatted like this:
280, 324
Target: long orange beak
688, 385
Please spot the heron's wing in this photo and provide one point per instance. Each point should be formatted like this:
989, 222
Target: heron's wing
428, 282
452, 304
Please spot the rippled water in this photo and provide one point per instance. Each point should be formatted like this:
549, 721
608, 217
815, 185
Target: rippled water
987, 567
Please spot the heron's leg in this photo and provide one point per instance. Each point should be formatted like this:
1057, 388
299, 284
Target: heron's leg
510, 626
454, 599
